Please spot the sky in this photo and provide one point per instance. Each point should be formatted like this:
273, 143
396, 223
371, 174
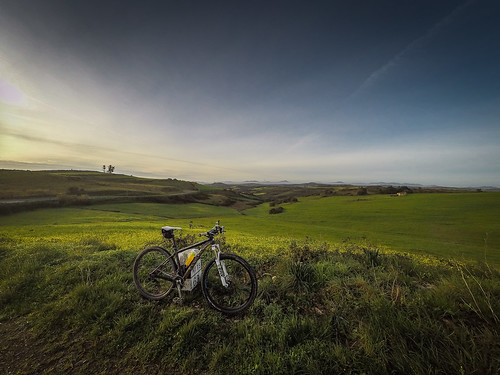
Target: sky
325, 91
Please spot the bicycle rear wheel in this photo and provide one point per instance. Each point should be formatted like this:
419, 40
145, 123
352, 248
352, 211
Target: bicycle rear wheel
241, 288
150, 268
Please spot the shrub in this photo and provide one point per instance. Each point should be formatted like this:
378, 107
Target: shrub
276, 210
362, 191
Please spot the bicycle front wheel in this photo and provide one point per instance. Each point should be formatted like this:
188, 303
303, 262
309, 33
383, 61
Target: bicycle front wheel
240, 287
152, 267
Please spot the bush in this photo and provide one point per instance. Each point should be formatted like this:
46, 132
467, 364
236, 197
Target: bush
362, 191
276, 210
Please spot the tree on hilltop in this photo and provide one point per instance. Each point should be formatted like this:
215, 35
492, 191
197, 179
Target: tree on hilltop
111, 168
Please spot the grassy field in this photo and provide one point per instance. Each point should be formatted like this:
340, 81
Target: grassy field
459, 226
463, 227
362, 294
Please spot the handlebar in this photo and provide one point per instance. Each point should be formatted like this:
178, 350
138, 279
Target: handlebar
217, 229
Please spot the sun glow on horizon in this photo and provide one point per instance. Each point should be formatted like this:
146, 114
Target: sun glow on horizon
85, 88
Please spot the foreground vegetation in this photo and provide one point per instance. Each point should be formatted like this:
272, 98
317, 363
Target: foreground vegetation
72, 307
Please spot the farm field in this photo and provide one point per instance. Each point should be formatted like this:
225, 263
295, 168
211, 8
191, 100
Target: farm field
347, 284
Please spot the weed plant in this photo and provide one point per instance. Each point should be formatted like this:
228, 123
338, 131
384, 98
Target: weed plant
350, 309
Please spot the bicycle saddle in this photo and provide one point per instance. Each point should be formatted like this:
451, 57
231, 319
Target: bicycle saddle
168, 232
167, 228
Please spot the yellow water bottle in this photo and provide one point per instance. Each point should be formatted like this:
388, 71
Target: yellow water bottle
190, 258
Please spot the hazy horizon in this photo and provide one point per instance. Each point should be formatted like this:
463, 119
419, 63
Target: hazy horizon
18, 166
319, 91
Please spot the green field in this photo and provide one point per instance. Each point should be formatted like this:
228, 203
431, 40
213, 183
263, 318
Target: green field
463, 227
458, 226
347, 284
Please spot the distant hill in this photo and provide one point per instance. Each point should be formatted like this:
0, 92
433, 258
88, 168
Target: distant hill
31, 184
27, 190
24, 190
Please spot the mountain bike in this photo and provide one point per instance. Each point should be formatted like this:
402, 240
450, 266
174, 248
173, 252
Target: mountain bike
228, 282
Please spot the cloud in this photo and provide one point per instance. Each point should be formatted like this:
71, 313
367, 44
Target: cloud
378, 74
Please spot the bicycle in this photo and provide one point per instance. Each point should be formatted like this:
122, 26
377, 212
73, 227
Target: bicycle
228, 282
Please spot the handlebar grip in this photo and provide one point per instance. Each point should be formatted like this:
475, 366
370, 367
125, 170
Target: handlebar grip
212, 232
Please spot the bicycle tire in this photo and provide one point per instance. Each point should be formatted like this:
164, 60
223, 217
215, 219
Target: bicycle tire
146, 266
241, 292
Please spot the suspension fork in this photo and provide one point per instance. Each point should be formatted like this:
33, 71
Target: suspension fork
221, 266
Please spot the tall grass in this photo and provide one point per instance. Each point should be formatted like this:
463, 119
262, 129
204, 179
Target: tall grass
348, 309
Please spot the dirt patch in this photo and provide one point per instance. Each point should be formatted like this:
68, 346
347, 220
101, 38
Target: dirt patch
23, 353
20, 352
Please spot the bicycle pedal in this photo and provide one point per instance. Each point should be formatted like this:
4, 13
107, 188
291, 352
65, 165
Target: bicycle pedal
177, 300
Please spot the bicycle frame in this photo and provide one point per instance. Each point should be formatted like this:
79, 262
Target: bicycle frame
203, 246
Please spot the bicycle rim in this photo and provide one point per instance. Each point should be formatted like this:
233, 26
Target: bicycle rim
148, 268
242, 288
